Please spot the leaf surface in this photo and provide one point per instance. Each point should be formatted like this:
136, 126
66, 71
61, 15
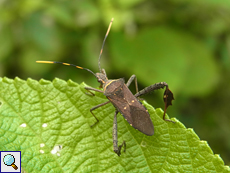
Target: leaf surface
50, 123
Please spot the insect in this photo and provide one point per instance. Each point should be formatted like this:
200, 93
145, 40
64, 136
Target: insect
118, 93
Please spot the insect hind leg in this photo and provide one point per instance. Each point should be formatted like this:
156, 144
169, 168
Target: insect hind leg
168, 95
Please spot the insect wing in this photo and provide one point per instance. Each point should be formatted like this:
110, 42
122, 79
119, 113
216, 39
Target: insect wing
132, 110
141, 120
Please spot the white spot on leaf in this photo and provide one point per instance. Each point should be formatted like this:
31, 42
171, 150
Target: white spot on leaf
44, 125
23, 125
56, 150
42, 145
53, 151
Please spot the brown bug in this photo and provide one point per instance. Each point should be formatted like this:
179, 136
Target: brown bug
123, 100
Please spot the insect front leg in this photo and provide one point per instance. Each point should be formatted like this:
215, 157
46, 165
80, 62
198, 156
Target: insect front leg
168, 95
93, 89
95, 107
117, 149
131, 80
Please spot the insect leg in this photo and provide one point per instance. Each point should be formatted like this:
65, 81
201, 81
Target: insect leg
117, 149
93, 89
131, 80
168, 95
95, 107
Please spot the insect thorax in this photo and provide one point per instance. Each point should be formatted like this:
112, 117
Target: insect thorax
113, 86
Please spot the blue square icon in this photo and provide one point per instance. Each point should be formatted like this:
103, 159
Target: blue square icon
10, 161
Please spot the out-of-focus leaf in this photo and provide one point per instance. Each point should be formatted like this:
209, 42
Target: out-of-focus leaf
87, 13
26, 6
61, 14
128, 3
41, 34
6, 42
42, 42
207, 3
163, 54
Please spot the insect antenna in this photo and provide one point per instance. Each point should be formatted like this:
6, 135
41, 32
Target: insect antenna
63, 63
107, 33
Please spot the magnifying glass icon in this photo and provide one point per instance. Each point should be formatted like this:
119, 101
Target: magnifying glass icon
9, 160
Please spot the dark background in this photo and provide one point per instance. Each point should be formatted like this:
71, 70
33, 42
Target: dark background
184, 43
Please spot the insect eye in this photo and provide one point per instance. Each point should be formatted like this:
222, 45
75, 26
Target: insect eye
99, 80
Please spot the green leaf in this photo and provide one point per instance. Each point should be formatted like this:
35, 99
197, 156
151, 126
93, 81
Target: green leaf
50, 123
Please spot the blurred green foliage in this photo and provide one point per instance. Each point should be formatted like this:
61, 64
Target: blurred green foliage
184, 43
